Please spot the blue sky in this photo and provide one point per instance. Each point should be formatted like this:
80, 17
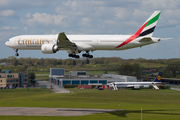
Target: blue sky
26, 17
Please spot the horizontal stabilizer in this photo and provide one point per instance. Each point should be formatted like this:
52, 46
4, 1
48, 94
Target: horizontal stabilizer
145, 39
166, 38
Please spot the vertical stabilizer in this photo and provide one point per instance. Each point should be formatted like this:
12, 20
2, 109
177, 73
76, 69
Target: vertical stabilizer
149, 26
146, 30
158, 78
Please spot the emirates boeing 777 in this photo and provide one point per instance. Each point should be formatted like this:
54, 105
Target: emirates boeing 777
75, 44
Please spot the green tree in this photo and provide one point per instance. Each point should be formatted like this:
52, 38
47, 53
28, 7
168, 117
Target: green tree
87, 61
74, 62
137, 70
126, 69
32, 76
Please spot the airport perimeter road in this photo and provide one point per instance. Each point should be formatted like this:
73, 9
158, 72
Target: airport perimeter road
176, 89
35, 111
56, 88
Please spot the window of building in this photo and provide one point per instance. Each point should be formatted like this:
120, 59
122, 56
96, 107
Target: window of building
0, 76
9, 76
16, 80
10, 80
1, 80
25, 79
7, 80
13, 80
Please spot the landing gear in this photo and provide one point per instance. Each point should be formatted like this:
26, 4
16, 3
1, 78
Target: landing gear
73, 55
87, 55
16, 52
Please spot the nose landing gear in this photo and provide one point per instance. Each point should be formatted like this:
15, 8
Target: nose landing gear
16, 52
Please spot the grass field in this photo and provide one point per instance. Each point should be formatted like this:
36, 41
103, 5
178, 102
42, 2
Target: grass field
157, 105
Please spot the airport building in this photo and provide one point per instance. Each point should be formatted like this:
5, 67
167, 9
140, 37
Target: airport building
74, 78
61, 81
58, 77
8, 79
78, 73
120, 78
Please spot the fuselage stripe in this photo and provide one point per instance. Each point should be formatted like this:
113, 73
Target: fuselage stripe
149, 31
133, 36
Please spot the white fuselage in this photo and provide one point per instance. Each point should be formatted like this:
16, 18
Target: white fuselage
132, 84
85, 42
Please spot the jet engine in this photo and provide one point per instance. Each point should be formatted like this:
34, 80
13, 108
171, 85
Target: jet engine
49, 48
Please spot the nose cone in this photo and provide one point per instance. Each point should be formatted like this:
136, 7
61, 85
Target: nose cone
7, 43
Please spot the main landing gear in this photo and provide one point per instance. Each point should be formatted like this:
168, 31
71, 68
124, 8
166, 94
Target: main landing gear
16, 52
87, 55
73, 55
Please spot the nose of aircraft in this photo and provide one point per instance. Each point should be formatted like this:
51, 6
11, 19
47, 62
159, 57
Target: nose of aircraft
7, 43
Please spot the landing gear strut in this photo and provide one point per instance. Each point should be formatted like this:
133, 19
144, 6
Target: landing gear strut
87, 55
16, 52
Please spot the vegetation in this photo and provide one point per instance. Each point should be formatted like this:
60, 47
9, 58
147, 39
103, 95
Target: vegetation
70, 86
161, 105
135, 67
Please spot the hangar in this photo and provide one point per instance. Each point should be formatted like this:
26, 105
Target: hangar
78, 81
58, 77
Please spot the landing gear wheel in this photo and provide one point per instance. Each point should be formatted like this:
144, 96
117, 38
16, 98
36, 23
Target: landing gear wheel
77, 56
70, 55
90, 56
73, 55
87, 55
16, 54
84, 55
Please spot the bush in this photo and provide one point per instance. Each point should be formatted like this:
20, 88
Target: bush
70, 86
163, 87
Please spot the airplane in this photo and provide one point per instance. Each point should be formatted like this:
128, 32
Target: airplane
137, 85
75, 44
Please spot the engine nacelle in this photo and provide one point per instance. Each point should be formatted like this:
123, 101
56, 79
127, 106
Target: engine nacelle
49, 48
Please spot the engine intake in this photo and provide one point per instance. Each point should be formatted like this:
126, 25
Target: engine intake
49, 48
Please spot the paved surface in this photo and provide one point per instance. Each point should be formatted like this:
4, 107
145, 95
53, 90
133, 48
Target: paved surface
176, 89
35, 111
56, 88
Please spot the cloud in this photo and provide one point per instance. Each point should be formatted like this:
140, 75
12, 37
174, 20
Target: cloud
8, 28
7, 13
43, 19
86, 21
160, 4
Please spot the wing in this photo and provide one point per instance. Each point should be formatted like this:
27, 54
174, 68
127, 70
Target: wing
64, 42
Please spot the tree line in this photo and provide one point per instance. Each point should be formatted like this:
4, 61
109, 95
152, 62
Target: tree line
136, 67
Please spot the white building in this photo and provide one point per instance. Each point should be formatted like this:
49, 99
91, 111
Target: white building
119, 78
